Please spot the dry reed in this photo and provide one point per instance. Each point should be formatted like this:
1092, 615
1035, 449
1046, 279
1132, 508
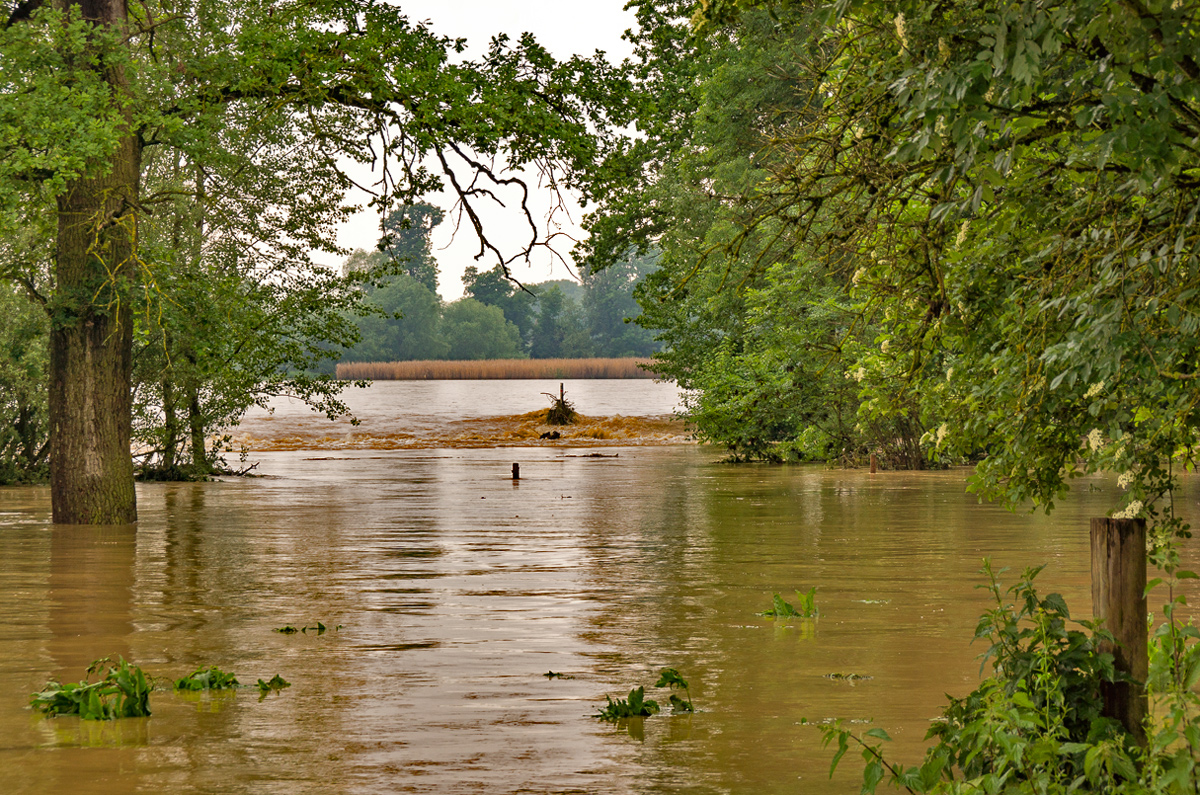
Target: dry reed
486, 369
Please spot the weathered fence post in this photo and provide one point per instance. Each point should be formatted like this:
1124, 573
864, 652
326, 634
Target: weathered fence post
874, 463
516, 472
1118, 598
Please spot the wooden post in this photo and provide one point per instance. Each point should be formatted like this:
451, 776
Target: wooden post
516, 472
562, 393
873, 463
1119, 600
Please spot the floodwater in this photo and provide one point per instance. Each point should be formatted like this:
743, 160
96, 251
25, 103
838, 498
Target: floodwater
456, 589
406, 415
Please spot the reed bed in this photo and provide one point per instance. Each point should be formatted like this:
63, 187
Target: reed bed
486, 369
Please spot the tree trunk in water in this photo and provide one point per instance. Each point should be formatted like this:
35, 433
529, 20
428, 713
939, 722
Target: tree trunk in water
170, 422
91, 335
200, 464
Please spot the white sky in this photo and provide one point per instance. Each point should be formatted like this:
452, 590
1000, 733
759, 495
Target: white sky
565, 29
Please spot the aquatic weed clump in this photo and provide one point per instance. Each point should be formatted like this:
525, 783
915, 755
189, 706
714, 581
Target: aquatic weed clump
211, 678
638, 706
122, 692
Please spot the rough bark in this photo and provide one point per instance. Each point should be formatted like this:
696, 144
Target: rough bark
1119, 601
91, 335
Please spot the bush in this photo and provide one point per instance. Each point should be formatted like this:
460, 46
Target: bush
1035, 726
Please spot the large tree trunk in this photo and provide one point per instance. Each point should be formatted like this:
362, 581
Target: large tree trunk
91, 335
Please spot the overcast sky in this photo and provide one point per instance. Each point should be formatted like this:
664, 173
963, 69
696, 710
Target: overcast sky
565, 29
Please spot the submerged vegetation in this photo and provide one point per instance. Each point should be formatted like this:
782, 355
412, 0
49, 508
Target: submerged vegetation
638, 706
272, 685
1036, 724
807, 609
121, 691
211, 678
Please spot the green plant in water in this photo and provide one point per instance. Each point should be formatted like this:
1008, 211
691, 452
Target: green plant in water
669, 677
122, 692
1035, 725
636, 706
556, 675
272, 685
211, 678
851, 678
288, 630
807, 601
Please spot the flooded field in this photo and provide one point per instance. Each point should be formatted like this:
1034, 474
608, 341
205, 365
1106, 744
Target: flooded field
456, 589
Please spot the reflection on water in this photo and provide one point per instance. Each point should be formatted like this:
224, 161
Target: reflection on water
456, 588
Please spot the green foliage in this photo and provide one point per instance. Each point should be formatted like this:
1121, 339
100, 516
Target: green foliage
612, 312
211, 678
24, 363
669, 677
272, 685
123, 691
406, 241
493, 288
287, 630
474, 330
1034, 725
559, 327
403, 324
636, 706
231, 126
807, 601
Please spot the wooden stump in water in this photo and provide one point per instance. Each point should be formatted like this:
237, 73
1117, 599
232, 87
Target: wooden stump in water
516, 472
1118, 598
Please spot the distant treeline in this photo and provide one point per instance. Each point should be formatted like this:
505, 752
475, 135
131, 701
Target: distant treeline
496, 319
485, 369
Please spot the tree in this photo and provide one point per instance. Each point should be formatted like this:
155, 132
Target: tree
755, 324
474, 330
405, 241
24, 360
494, 288
1012, 191
559, 329
92, 85
404, 324
611, 310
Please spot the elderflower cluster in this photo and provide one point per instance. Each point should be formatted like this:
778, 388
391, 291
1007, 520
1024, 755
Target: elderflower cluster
949, 373
962, 233
901, 33
1125, 478
1094, 390
941, 433
883, 346
1095, 440
1130, 512
860, 374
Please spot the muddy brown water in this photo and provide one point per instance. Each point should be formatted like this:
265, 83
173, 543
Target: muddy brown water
456, 589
